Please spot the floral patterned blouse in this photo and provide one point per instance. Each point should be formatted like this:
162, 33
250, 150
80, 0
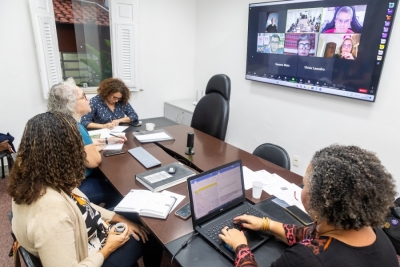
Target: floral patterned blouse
102, 114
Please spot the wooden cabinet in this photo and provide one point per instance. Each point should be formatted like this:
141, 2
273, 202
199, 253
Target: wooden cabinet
180, 111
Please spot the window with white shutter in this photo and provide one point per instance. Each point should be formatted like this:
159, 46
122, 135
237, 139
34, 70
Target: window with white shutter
46, 43
104, 39
123, 31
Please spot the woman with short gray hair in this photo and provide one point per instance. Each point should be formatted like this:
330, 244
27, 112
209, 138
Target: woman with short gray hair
69, 99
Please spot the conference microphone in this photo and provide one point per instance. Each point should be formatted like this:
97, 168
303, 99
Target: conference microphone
190, 144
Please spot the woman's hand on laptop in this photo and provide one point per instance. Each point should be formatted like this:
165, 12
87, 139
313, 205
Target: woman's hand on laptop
232, 237
249, 222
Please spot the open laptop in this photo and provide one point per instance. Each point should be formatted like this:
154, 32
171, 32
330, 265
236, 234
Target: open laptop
216, 197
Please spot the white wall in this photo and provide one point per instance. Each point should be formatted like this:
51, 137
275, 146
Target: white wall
301, 122
20, 90
166, 61
182, 44
167, 52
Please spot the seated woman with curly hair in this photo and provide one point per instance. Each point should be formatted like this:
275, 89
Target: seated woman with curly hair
348, 192
54, 220
111, 106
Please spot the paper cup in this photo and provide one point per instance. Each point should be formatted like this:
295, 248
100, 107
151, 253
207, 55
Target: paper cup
150, 126
257, 189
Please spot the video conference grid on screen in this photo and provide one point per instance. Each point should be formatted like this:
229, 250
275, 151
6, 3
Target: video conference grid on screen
320, 45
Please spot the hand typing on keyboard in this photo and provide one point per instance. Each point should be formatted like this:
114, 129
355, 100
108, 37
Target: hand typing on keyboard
238, 225
249, 222
232, 237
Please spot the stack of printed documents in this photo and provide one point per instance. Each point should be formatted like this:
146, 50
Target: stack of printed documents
288, 194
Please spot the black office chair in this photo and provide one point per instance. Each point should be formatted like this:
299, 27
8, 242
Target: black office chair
29, 259
274, 154
211, 114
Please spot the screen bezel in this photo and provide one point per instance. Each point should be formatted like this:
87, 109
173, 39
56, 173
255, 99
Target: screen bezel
376, 70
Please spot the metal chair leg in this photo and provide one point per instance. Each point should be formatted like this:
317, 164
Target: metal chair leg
2, 168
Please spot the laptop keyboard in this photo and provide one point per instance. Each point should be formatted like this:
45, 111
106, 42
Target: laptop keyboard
213, 233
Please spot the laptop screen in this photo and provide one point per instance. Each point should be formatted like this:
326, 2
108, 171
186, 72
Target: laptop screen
216, 190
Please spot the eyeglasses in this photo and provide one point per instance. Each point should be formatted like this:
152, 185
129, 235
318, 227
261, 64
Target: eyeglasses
347, 45
116, 98
273, 42
83, 97
340, 21
304, 46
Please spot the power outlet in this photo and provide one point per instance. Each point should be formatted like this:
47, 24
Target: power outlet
296, 161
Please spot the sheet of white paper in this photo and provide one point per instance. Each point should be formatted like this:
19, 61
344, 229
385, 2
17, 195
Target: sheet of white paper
108, 134
263, 176
272, 182
263, 173
113, 146
105, 133
119, 129
153, 136
248, 177
179, 198
287, 193
282, 189
96, 133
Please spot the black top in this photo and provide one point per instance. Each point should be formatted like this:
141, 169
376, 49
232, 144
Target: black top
271, 28
380, 253
325, 252
337, 56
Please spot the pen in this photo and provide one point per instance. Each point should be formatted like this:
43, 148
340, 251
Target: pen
116, 136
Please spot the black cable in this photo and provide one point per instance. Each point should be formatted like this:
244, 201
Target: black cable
183, 246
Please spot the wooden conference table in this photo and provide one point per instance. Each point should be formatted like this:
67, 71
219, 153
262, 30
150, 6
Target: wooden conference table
210, 152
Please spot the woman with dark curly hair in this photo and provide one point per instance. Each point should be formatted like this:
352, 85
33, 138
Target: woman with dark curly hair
348, 192
111, 106
54, 220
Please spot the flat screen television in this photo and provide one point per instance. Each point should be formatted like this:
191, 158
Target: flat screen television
334, 47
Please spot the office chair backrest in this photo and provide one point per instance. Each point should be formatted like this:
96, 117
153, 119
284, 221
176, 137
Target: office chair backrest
274, 154
221, 84
211, 114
